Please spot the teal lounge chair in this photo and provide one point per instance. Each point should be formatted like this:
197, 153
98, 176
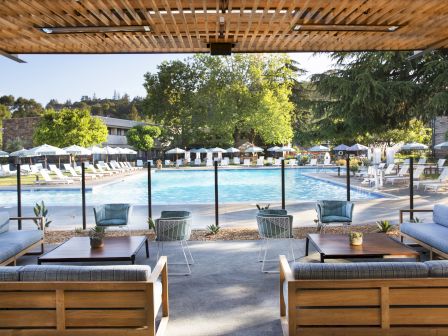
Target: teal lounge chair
112, 215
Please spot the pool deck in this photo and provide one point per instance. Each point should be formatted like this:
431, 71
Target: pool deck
242, 215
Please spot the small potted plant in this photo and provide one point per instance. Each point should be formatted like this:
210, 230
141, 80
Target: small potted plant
96, 235
384, 226
355, 238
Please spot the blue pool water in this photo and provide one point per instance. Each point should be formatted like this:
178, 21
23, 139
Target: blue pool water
197, 187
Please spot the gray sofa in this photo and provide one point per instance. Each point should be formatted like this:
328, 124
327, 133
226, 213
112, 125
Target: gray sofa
84, 300
431, 235
14, 244
374, 298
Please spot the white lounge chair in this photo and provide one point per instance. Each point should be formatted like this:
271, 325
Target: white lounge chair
246, 163
327, 162
179, 162
25, 169
96, 172
139, 163
6, 171
225, 162
313, 162
168, 163
236, 161
421, 161
270, 160
209, 163
382, 165
292, 163
417, 173
61, 176
389, 169
440, 163
197, 162
103, 171
75, 175
260, 162
399, 177
48, 180
278, 162
434, 183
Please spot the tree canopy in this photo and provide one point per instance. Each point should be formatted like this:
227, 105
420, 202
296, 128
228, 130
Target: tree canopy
70, 127
218, 100
142, 136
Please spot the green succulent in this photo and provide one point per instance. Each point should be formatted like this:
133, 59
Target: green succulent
213, 229
384, 226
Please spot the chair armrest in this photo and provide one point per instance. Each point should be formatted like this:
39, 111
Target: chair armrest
41, 220
402, 211
161, 270
285, 275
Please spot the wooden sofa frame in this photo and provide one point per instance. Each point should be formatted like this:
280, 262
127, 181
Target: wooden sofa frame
13, 259
84, 308
363, 307
432, 250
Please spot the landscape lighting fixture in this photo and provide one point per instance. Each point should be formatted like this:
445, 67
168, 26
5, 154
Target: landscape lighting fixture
96, 29
342, 27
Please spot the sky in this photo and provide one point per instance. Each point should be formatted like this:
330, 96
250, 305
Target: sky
68, 77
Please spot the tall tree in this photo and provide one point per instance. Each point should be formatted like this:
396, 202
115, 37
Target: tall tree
70, 127
142, 136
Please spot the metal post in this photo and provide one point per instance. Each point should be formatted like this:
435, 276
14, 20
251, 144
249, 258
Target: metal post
283, 185
149, 191
411, 186
347, 173
19, 197
216, 194
83, 192
339, 171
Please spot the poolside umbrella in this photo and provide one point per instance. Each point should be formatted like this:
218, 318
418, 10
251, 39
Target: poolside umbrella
175, 151
77, 150
200, 151
357, 148
217, 150
443, 145
273, 149
48, 150
97, 150
4, 154
254, 149
341, 147
193, 150
319, 148
411, 146
285, 149
232, 150
23, 153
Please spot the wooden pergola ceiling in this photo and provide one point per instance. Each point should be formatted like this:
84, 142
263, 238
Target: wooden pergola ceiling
175, 26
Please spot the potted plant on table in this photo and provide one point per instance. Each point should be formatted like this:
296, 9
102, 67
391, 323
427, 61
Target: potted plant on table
355, 238
96, 235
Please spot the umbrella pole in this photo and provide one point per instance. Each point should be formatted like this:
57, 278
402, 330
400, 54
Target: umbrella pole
216, 194
283, 184
83, 194
347, 173
149, 191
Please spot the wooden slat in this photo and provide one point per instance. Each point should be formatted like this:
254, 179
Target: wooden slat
135, 299
338, 317
419, 316
419, 296
355, 297
27, 318
27, 300
105, 318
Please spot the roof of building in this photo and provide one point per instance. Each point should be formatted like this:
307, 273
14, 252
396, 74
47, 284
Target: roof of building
120, 123
179, 26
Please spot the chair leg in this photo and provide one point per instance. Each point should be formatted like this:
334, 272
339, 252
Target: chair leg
262, 248
189, 252
265, 260
291, 246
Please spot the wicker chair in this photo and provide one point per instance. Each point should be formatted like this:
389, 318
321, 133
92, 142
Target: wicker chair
329, 212
113, 215
175, 226
273, 224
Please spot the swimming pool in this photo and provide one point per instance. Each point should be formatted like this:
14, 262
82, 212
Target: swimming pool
197, 187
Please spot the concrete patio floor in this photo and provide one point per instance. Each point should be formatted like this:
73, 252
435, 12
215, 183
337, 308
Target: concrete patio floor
226, 294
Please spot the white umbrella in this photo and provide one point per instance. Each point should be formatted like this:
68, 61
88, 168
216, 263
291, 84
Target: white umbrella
175, 151
47, 150
97, 150
193, 150
232, 150
413, 146
77, 150
273, 149
23, 153
254, 149
131, 151
4, 154
285, 149
201, 150
319, 148
357, 148
110, 150
217, 150
443, 145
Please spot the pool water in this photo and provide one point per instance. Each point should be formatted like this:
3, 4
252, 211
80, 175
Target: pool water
197, 187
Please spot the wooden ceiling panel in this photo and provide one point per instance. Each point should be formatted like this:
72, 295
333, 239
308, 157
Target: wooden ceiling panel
254, 26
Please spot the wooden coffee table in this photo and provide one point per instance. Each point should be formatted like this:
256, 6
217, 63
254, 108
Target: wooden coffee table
375, 245
77, 249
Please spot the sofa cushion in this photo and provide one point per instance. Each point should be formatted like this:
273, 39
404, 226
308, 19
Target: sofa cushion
85, 273
280, 212
333, 208
361, 270
13, 242
175, 214
335, 219
440, 214
431, 234
9, 273
108, 222
438, 268
4, 221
